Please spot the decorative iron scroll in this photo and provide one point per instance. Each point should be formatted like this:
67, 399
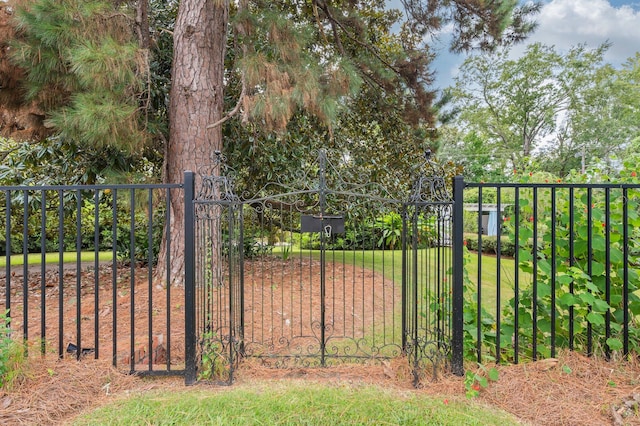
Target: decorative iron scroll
268, 300
217, 182
430, 185
427, 356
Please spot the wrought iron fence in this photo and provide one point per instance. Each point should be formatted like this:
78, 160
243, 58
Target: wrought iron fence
80, 277
323, 274
561, 270
317, 270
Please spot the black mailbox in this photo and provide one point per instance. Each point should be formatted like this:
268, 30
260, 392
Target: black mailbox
319, 223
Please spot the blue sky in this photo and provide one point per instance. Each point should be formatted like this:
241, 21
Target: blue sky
566, 23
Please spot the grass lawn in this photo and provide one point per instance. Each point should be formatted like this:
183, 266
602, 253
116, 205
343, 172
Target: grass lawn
67, 257
389, 263
294, 403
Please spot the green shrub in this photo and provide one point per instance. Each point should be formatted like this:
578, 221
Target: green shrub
490, 244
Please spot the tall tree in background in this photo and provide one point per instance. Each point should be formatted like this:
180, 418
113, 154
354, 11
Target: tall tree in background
312, 56
264, 62
609, 124
519, 105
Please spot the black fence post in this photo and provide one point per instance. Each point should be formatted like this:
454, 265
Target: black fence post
457, 345
189, 280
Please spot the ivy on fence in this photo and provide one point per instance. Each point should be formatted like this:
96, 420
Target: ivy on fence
579, 266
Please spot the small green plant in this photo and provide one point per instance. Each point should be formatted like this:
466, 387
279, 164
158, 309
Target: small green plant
11, 353
391, 226
474, 382
286, 252
213, 364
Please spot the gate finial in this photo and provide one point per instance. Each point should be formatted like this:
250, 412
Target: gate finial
430, 182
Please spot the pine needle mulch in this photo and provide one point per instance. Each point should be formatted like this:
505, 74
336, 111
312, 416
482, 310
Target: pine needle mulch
569, 390
52, 391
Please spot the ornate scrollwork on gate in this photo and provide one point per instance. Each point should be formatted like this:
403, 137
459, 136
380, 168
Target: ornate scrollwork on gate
217, 181
429, 211
430, 185
217, 212
299, 297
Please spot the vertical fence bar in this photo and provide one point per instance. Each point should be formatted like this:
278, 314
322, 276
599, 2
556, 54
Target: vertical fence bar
498, 269
625, 262
60, 273
479, 279
189, 256
43, 266
167, 228
534, 298
7, 244
607, 288
457, 346
553, 272
78, 274
132, 266
241, 269
114, 274
151, 349
232, 336
516, 277
405, 303
589, 262
571, 264
96, 273
25, 265
415, 300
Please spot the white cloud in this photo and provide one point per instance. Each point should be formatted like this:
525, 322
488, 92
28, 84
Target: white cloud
563, 24
566, 23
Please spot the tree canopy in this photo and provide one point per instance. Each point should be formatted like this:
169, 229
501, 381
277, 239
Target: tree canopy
349, 73
84, 67
97, 84
545, 109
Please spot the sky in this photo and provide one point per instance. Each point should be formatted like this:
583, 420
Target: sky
567, 23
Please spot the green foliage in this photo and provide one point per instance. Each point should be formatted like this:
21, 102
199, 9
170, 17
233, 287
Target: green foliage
59, 161
579, 283
512, 106
213, 363
11, 354
474, 382
490, 244
104, 205
83, 65
123, 240
578, 292
475, 335
391, 227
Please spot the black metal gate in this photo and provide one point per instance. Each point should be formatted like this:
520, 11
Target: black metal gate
319, 271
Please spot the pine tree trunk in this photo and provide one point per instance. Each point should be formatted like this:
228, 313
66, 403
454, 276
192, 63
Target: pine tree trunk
196, 100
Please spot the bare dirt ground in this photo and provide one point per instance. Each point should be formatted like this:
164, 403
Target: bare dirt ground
569, 390
90, 308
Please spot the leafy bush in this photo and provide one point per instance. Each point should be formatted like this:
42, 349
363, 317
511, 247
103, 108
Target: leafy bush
86, 226
579, 261
391, 227
490, 244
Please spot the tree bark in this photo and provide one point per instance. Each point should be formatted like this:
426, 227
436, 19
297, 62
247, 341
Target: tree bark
196, 100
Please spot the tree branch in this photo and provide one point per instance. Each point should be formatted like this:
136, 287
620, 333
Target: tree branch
367, 46
234, 111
